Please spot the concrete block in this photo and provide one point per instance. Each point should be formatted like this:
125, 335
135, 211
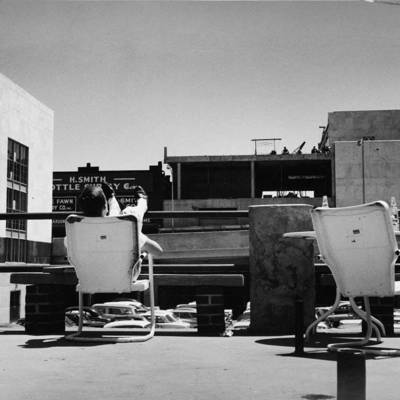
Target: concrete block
280, 269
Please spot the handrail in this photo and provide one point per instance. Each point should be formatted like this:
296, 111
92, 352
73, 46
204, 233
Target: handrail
149, 214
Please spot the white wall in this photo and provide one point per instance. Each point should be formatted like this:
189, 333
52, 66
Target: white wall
24, 119
354, 125
3, 151
381, 171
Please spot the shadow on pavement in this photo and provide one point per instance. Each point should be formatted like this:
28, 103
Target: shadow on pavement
60, 341
317, 347
57, 342
13, 333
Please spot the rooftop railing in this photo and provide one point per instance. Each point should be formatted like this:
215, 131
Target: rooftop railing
149, 214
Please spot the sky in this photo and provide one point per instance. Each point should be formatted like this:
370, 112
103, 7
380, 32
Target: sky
125, 79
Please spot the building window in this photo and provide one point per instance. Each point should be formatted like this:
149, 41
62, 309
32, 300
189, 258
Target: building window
17, 200
15, 247
17, 162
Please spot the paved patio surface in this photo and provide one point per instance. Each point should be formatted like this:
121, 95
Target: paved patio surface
173, 366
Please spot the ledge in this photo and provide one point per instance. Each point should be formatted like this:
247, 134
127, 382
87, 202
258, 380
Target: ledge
66, 276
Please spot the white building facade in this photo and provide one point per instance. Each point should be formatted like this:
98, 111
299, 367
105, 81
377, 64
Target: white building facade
366, 146
26, 166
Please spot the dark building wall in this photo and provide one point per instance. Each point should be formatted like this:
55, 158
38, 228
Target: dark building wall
215, 180
36, 252
223, 179
2, 250
67, 187
294, 176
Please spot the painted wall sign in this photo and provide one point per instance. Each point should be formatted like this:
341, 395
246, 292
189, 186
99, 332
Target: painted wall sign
72, 182
64, 204
67, 187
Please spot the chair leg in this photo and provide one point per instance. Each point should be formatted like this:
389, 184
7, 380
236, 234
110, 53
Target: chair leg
356, 310
368, 319
376, 324
151, 284
143, 338
80, 326
76, 334
314, 324
129, 339
366, 339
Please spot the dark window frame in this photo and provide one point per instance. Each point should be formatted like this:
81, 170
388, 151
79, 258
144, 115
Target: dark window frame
17, 200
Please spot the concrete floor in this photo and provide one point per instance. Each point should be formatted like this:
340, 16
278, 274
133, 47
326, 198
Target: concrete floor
178, 367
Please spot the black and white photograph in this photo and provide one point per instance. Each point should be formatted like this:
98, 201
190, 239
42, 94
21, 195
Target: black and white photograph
199, 199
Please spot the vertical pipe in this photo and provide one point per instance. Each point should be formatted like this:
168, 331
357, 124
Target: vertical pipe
361, 142
299, 327
178, 181
252, 180
333, 176
351, 381
151, 282
172, 198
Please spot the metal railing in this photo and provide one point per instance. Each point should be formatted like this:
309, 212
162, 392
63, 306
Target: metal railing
149, 214
61, 215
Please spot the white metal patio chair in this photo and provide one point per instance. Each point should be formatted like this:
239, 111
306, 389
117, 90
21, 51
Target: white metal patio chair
105, 254
359, 245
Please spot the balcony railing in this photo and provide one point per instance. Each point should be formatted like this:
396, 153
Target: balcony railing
149, 214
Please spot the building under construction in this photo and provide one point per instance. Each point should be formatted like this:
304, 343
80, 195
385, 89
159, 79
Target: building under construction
356, 161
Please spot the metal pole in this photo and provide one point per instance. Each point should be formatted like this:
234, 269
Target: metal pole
363, 169
351, 381
361, 143
172, 198
252, 180
299, 327
172, 194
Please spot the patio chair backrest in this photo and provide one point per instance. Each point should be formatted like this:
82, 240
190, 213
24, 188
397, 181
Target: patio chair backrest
359, 246
103, 252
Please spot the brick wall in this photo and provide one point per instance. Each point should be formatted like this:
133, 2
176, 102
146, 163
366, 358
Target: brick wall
45, 308
210, 310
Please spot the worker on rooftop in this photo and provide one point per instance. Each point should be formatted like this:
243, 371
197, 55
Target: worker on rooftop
314, 150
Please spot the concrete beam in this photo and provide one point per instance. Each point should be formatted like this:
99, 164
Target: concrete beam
68, 277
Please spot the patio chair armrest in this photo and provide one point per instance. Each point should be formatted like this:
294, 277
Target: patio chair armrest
136, 268
140, 285
397, 288
310, 235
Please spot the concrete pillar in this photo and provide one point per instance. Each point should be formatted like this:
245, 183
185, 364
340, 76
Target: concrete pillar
253, 180
281, 270
351, 375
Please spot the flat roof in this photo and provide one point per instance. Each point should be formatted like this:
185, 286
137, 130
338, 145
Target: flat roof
247, 158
